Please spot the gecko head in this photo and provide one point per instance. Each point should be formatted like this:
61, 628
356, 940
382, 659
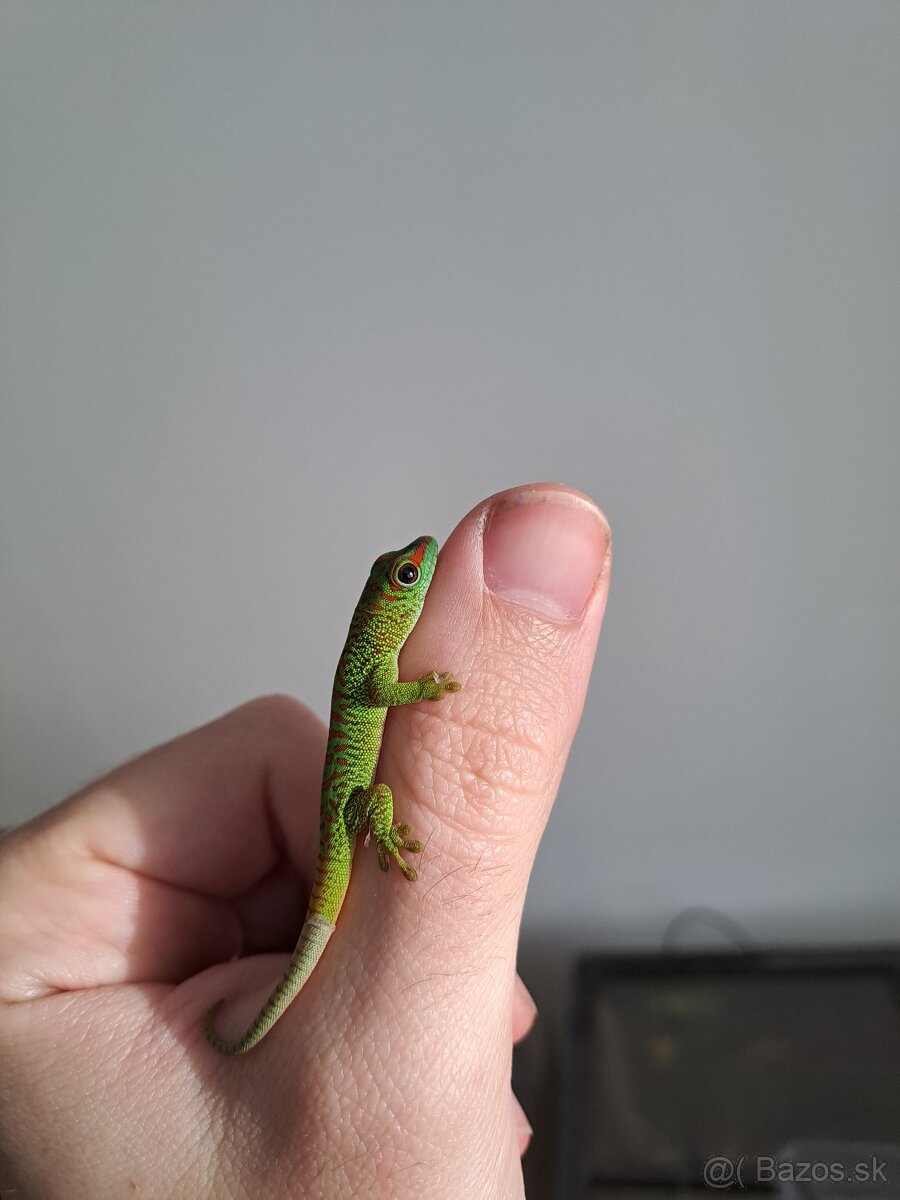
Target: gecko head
399, 580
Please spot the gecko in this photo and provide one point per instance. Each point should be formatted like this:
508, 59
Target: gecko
366, 685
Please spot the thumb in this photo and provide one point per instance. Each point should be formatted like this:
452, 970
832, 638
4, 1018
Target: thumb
514, 612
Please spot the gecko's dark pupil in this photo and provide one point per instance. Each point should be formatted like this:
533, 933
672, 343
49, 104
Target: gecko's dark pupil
408, 573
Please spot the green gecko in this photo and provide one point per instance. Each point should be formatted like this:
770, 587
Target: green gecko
365, 686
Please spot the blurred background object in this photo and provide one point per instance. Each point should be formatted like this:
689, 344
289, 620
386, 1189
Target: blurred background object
687, 1074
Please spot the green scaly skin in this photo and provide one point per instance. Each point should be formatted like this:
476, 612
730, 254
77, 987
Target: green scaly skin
366, 685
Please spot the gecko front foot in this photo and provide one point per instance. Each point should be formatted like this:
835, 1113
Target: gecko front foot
436, 685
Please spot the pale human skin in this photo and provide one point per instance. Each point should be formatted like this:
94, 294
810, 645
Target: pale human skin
389, 1075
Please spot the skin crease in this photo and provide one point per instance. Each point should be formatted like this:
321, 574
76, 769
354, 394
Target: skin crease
389, 1075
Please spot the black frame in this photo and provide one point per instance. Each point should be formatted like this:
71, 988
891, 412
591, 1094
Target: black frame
591, 971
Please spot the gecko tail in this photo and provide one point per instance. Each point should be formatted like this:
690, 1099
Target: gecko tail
313, 940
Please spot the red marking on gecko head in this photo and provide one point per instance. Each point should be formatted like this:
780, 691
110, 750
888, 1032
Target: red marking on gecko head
419, 554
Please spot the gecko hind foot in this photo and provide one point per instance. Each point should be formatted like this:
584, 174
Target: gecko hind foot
396, 841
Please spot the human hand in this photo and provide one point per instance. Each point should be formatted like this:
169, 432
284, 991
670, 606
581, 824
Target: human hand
389, 1074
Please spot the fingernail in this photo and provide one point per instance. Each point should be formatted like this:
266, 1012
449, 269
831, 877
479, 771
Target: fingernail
524, 997
545, 548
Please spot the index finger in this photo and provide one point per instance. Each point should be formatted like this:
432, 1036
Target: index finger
131, 878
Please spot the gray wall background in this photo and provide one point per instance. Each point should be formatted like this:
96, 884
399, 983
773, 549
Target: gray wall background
276, 275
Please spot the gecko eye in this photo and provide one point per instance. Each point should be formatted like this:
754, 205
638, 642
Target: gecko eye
407, 574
